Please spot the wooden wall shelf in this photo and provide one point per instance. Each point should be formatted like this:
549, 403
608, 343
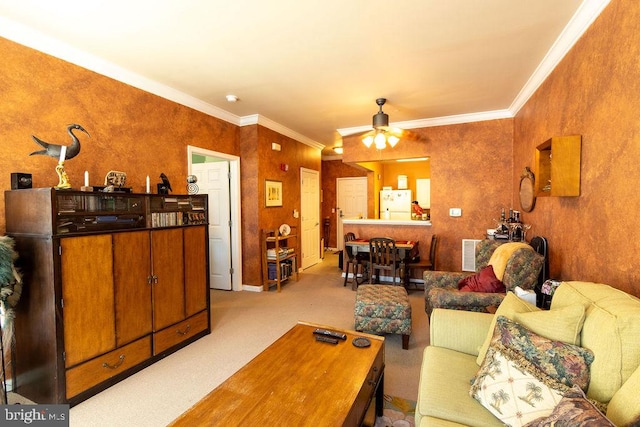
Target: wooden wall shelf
557, 162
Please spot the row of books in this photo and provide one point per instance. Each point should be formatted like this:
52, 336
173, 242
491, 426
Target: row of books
166, 219
286, 268
282, 253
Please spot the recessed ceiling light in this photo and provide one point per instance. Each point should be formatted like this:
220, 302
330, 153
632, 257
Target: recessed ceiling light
232, 98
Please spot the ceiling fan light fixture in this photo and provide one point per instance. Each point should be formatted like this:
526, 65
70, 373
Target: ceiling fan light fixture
380, 119
368, 141
393, 140
380, 141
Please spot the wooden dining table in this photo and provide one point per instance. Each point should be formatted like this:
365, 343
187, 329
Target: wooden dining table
404, 248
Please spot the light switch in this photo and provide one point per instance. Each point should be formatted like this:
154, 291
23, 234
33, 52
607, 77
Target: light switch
455, 212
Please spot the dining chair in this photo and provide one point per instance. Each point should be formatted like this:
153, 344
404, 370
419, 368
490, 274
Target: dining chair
413, 263
351, 259
383, 256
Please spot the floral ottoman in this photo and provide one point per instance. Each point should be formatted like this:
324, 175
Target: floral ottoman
383, 309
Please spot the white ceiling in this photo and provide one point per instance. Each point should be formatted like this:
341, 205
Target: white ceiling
310, 67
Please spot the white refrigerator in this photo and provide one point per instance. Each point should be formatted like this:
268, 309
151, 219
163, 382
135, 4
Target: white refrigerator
397, 203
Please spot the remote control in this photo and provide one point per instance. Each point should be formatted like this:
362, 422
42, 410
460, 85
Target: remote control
326, 339
332, 334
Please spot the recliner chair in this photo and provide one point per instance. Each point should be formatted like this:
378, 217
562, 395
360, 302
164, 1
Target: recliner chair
515, 264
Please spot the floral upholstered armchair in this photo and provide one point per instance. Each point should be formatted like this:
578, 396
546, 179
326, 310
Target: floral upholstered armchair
514, 264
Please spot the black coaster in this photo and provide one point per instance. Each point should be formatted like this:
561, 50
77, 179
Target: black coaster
361, 342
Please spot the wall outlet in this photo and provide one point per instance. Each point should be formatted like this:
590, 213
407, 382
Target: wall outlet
455, 212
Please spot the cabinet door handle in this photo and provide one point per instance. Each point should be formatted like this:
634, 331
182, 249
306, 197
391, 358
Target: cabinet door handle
185, 332
149, 279
155, 279
117, 365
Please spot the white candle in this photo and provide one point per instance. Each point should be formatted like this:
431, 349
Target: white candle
148, 188
86, 178
63, 153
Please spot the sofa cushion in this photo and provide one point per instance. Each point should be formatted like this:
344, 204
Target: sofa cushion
624, 407
484, 281
524, 375
611, 330
444, 387
573, 410
509, 306
561, 324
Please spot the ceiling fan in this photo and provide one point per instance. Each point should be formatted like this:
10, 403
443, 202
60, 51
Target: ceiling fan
383, 134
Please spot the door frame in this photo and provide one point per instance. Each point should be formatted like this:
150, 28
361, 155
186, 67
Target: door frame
316, 207
235, 202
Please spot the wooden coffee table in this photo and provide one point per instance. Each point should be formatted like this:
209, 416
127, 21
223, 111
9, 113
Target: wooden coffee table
298, 381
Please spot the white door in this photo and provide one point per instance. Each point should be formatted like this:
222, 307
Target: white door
351, 196
310, 217
213, 179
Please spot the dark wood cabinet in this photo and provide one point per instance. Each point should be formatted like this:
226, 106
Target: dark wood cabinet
113, 282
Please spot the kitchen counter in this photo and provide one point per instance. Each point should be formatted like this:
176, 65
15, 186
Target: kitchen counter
411, 222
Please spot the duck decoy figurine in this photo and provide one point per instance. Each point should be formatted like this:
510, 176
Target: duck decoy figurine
53, 150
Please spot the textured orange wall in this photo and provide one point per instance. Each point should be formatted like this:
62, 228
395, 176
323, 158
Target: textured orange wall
131, 130
260, 162
593, 92
470, 169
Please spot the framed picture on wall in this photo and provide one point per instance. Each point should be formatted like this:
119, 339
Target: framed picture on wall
272, 193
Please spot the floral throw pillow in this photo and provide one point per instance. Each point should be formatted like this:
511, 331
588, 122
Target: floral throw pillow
574, 410
523, 378
566, 363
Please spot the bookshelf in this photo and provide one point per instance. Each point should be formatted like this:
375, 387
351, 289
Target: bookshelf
279, 259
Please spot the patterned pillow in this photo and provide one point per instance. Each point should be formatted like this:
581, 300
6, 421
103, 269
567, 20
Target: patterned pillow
524, 376
484, 281
574, 410
566, 363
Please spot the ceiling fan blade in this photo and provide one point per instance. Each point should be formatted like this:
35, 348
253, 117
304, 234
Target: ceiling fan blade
361, 134
405, 134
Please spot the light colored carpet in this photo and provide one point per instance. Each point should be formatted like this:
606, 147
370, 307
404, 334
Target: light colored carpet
244, 324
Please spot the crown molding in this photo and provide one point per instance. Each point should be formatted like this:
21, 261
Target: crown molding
588, 11
38, 41
257, 119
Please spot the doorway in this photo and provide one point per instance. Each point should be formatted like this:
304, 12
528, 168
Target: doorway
310, 216
351, 198
219, 177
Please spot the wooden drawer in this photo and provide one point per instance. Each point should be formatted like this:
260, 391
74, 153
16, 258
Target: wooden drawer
179, 332
92, 373
366, 396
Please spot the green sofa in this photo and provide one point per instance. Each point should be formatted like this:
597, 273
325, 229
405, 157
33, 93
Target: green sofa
609, 327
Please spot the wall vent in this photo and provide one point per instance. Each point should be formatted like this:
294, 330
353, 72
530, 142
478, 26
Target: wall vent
469, 254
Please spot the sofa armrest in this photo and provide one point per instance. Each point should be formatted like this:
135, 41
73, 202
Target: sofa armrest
440, 280
443, 279
459, 300
463, 331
